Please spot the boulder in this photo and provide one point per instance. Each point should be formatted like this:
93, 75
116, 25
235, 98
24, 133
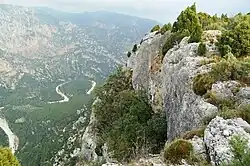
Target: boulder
218, 134
199, 147
244, 93
224, 90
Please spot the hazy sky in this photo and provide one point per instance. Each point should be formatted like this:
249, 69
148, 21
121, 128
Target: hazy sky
161, 10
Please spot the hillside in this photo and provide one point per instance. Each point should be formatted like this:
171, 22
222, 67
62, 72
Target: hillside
49, 61
182, 98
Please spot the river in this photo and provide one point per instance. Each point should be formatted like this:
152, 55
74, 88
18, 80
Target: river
92, 88
13, 139
65, 98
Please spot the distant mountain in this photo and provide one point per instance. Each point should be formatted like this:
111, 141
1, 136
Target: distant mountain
40, 49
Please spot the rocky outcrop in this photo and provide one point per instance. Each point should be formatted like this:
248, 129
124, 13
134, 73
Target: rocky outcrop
224, 90
168, 82
185, 110
89, 140
217, 136
146, 65
199, 147
231, 91
244, 93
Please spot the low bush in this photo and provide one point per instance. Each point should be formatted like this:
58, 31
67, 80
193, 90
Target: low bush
7, 158
202, 49
128, 54
134, 48
125, 120
174, 39
244, 113
165, 28
229, 113
195, 132
240, 151
202, 83
178, 150
155, 28
219, 102
229, 68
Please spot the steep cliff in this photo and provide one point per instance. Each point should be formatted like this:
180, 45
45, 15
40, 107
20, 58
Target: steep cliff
169, 82
195, 76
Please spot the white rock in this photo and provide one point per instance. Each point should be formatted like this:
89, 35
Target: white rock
244, 93
217, 136
223, 90
199, 146
20, 120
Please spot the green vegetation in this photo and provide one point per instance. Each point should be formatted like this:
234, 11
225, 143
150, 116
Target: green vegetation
237, 38
165, 28
195, 36
202, 83
155, 28
7, 158
126, 120
195, 132
229, 68
213, 22
128, 54
178, 150
188, 21
41, 135
230, 112
134, 48
174, 39
219, 102
187, 24
235, 31
240, 151
202, 49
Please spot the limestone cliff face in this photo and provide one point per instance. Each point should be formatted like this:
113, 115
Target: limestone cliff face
146, 65
168, 82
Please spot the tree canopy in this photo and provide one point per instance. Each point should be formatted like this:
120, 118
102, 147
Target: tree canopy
237, 38
7, 158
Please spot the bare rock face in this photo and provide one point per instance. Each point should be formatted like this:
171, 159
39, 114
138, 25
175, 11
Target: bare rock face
184, 109
168, 82
89, 140
146, 65
217, 136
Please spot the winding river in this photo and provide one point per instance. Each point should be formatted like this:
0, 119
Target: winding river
92, 88
65, 98
13, 139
